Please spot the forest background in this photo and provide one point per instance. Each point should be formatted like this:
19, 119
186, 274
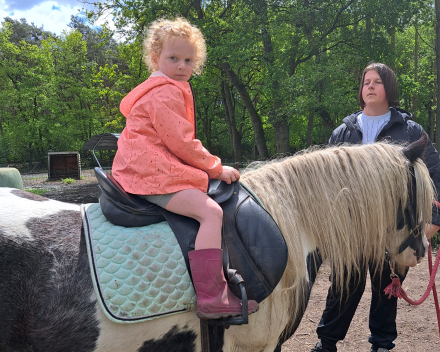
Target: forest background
280, 74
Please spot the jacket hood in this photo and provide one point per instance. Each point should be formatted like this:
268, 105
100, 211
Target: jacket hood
138, 92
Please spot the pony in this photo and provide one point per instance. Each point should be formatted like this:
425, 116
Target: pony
339, 204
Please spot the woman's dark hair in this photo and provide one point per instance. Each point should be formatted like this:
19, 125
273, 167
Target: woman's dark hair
389, 81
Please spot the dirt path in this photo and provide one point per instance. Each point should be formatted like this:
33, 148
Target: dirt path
81, 192
416, 325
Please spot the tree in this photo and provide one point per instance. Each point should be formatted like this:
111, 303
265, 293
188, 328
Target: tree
437, 61
21, 30
24, 68
101, 47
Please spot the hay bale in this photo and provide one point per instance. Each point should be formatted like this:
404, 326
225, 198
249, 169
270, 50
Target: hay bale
10, 177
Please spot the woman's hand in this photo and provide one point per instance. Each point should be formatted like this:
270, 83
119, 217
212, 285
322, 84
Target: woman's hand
229, 174
430, 230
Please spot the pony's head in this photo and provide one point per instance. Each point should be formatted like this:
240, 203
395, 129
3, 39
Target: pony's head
411, 217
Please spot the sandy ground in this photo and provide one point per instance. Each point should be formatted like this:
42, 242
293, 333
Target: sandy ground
416, 325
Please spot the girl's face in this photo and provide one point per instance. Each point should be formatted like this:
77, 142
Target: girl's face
176, 59
373, 91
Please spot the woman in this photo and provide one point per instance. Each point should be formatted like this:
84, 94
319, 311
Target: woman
378, 119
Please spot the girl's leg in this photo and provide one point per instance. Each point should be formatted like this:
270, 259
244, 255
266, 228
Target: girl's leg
214, 299
197, 205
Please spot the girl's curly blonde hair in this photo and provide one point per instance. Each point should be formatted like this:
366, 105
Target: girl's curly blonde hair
162, 29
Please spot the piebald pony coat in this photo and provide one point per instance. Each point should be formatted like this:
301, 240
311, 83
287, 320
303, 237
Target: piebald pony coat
338, 204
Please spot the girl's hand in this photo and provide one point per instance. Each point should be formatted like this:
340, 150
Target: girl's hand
229, 174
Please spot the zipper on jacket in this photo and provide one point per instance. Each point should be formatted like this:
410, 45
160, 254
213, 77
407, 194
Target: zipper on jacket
390, 124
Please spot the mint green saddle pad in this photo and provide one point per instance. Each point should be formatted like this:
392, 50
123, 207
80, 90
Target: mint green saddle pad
139, 273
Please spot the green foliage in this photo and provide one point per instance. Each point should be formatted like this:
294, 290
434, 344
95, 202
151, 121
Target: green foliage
435, 241
22, 31
38, 191
297, 63
68, 181
55, 97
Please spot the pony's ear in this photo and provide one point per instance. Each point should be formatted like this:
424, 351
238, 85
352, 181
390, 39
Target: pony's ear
416, 149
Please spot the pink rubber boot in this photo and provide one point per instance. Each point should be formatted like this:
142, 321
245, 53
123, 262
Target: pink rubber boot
214, 299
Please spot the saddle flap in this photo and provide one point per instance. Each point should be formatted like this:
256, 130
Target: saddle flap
255, 245
269, 253
220, 191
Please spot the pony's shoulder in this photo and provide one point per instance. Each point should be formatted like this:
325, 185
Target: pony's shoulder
18, 209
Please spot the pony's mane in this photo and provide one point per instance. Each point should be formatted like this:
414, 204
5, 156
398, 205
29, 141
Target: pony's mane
342, 200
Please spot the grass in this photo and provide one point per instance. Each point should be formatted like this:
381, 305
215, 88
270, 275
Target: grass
35, 178
67, 181
38, 191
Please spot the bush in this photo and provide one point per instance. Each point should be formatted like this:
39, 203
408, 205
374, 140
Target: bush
67, 181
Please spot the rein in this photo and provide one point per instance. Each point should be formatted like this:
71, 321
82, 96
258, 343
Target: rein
395, 289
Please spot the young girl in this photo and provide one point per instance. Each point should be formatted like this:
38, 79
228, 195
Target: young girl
159, 158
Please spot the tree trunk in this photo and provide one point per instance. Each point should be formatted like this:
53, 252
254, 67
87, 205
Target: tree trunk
416, 66
198, 7
437, 64
206, 131
368, 36
393, 48
230, 121
326, 118
431, 111
257, 125
279, 121
310, 129
282, 141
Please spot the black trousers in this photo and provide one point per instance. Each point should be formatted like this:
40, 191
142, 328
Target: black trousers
338, 313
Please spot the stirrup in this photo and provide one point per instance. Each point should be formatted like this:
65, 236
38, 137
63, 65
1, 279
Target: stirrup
236, 279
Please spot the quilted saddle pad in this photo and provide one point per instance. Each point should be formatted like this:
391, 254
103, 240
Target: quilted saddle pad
139, 273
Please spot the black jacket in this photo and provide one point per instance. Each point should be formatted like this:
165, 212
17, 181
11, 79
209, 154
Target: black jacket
401, 129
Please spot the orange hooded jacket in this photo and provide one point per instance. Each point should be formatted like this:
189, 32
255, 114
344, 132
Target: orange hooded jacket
157, 150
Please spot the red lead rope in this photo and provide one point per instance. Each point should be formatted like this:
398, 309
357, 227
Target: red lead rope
395, 289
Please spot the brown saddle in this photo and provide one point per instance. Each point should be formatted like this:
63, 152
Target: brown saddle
252, 242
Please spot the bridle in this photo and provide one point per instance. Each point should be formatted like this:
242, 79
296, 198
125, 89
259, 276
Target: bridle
415, 228
408, 217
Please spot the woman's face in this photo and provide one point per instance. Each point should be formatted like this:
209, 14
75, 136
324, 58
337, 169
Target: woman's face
373, 90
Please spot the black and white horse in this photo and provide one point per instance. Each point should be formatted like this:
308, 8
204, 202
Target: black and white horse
339, 204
